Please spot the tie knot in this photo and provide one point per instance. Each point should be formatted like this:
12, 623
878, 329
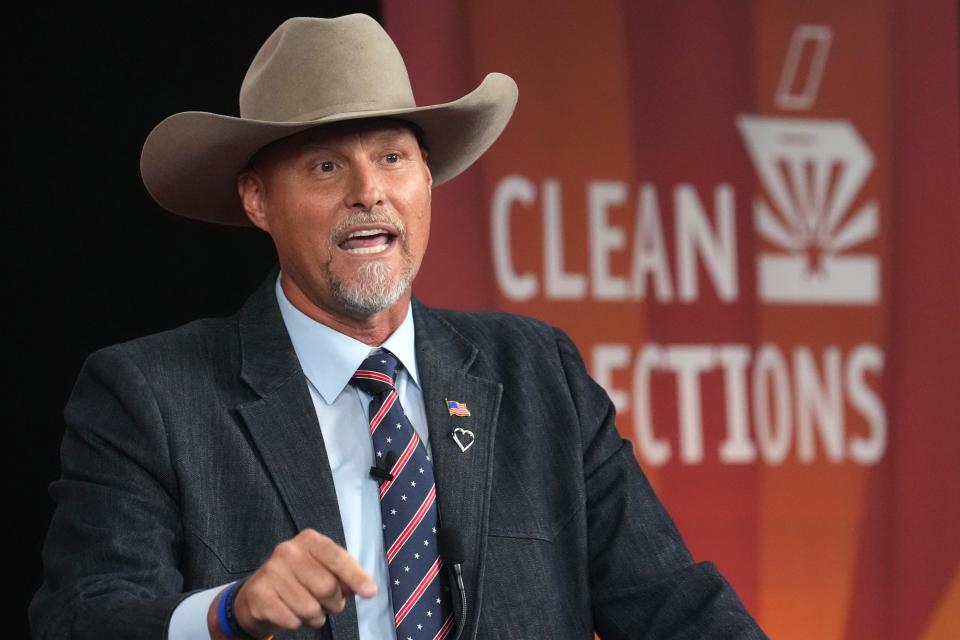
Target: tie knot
377, 373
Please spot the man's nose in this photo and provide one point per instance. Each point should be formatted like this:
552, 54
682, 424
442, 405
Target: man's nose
366, 188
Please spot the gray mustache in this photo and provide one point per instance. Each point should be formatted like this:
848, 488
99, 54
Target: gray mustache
374, 216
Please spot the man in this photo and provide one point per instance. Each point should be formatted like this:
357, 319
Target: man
338, 460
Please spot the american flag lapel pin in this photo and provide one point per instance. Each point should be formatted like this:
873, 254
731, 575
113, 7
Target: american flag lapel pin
457, 408
463, 438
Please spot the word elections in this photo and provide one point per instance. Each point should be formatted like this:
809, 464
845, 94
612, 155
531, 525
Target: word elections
773, 404
696, 237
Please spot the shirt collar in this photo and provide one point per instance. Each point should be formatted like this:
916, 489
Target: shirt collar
329, 358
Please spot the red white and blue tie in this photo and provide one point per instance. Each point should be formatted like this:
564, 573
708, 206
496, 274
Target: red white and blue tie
408, 506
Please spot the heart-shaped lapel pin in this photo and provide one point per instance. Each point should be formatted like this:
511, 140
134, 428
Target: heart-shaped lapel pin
464, 438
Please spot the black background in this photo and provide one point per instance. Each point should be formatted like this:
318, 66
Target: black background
92, 260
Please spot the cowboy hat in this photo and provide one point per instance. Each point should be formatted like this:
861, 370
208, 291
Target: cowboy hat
309, 72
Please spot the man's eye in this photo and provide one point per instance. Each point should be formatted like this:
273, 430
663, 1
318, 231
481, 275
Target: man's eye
325, 167
391, 158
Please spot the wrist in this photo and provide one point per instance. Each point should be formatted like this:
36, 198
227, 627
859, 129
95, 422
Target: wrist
222, 620
213, 627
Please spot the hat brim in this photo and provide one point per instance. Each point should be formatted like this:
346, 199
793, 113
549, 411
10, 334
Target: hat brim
191, 160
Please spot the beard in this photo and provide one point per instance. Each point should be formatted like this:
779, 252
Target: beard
372, 288
375, 286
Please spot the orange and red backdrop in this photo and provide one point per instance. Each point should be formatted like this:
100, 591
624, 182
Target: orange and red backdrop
745, 215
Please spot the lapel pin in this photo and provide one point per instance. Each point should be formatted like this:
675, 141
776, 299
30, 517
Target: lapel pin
464, 438
457, 408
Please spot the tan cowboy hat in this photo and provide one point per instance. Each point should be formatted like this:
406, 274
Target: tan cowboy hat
313, 71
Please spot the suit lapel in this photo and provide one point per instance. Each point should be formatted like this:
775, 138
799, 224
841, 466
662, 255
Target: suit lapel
284, 429
464, 478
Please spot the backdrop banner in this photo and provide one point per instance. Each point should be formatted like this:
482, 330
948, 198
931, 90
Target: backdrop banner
744, 214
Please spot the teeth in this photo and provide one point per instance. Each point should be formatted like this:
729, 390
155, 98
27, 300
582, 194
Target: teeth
367, 232
366, 250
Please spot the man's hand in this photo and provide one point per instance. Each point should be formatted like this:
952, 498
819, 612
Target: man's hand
304, 579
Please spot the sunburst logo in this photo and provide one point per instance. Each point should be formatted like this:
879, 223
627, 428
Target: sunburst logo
812, 170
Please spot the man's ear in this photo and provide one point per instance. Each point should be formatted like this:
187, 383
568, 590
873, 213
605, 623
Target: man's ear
252, 194
423, 154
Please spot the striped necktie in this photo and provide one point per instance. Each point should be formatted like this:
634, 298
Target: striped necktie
408, 508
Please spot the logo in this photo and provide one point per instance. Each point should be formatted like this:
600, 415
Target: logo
811, 170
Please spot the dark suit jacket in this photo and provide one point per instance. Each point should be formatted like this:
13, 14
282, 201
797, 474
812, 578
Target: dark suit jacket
189, 455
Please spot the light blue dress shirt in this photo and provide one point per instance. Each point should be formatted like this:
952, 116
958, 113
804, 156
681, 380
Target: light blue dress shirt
328, 360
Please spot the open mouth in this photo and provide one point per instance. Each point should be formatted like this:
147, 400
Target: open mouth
368, 241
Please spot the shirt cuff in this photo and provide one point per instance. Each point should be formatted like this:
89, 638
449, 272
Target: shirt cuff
189, 619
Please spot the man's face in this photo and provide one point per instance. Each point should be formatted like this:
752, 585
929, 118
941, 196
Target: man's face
348, 208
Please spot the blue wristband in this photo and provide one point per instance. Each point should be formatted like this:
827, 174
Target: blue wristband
222, 619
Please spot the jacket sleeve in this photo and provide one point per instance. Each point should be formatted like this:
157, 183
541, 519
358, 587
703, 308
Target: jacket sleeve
643, 581
111, 553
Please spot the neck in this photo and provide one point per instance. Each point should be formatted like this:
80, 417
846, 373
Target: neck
371, 330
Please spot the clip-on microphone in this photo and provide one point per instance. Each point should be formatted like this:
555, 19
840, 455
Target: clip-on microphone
381, 474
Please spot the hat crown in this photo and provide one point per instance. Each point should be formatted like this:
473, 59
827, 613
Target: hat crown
311, 68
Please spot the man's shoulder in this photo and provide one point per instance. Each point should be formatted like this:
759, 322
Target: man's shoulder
482, 326
506, 343
184, 350
206, 339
